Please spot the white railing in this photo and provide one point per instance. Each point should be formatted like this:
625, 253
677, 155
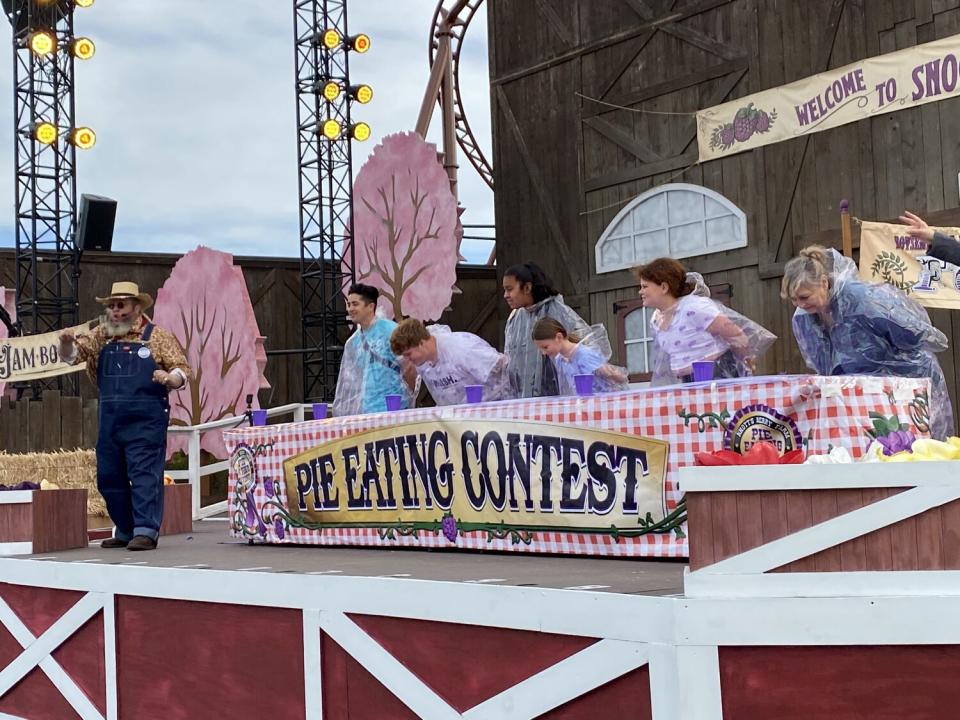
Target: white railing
195, 471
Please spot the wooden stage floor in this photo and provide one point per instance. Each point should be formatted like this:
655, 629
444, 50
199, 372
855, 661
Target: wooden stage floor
210, 547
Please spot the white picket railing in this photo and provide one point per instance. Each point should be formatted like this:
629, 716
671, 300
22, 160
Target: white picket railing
195, 471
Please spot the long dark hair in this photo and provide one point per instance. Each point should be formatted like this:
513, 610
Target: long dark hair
529, 273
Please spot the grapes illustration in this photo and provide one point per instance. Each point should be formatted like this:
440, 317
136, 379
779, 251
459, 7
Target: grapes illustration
449, 527
746, 122
743, 123
761, 122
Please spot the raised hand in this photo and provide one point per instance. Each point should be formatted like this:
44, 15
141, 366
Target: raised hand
918, 227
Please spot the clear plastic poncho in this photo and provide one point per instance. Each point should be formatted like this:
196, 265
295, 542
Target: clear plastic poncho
464, 359
876, 330
533, 374
699, 328
369, 371
591, 357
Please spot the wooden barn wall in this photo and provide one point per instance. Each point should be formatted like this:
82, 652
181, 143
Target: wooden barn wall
274, 287
565, 165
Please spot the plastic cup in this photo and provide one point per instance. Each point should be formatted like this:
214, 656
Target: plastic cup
258, 417
584, 384
394, 402
474, 393
702, 370
319, 411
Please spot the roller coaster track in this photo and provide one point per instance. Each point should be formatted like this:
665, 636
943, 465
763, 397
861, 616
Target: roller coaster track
453, 18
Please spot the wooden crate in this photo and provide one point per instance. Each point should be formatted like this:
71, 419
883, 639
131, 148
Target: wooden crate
42, 521
177, 510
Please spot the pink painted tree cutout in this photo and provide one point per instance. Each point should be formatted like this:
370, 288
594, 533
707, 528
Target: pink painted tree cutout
407, 225
205, 304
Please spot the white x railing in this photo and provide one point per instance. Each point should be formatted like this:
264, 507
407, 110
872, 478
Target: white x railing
195, 471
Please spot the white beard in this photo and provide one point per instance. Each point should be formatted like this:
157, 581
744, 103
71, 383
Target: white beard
115, 329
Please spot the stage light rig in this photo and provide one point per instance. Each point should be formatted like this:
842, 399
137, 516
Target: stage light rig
326, 132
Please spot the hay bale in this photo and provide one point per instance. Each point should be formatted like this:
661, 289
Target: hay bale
69, 470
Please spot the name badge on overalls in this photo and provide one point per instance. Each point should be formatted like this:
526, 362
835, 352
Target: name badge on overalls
144, 352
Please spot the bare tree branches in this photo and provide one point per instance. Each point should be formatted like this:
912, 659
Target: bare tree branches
398, 278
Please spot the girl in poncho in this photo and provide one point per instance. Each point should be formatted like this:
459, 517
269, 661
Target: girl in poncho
572, 356
689, 327
532, 297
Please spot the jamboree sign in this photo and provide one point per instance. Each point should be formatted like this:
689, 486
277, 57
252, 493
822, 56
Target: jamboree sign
35, 357
477, 475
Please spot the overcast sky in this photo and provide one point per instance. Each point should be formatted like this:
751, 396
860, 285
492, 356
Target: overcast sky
194, 109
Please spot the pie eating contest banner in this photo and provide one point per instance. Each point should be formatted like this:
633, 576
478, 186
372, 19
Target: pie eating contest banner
484, 474
888, 254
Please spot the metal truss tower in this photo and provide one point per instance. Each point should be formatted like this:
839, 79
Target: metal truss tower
47, 261
326, 189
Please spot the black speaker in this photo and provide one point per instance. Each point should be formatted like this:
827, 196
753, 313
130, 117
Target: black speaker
95, 225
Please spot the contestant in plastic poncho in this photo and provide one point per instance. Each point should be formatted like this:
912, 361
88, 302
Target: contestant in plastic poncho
689, 327
532, 297
574, 356
447, 362
369, 371
845, 326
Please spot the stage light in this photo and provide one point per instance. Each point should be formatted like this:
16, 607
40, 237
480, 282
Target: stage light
83, 48
43, 42
83, 138
46, 133
83, 3
358, 43
331, 91
361, 93
331, 39
331, 129
360, 131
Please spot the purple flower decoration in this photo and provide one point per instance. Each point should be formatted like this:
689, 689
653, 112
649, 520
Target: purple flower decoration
251, 516
278, 528
896, 441
449, 526
268, 487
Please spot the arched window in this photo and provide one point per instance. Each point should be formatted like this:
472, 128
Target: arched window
677, 220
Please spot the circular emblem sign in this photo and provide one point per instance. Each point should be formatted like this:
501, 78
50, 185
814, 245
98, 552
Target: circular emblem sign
761, 423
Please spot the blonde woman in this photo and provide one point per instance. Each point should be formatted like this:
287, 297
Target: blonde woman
845, 326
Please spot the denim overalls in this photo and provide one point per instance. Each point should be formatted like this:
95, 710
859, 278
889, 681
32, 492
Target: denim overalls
132, 445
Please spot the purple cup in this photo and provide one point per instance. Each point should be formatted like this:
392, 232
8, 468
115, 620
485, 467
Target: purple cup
394, 402
258, 417
702, 370
474, 393
319, 411
584, 384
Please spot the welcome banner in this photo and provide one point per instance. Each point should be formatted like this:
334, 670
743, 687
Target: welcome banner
481, 475
888, 254
35, 357
874, 86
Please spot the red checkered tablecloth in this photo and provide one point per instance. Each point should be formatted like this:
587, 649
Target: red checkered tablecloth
827, 411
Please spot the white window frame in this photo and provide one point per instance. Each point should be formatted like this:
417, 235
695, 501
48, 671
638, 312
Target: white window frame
732, 209
645, 339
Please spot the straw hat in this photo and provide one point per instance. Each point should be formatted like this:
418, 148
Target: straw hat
126, 291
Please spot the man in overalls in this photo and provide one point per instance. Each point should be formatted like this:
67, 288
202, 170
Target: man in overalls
135, 364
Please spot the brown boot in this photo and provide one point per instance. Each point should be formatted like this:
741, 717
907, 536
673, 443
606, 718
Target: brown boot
142, 542
113, 543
